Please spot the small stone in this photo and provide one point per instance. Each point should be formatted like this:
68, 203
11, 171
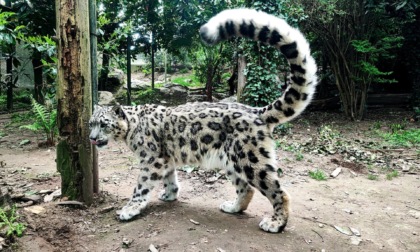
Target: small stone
405, 168
126, 242
194, 222
45, 191
355, 240
336, 172
414, 233
355, 231
152, 248
24, 142
52, 196
321, 225
35, 209
348, 211
35, 198
106, 209
105, 179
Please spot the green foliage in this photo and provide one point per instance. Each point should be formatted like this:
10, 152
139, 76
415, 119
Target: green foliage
9, 219
318, 175
299, 156
283, 129
264, 62
372, 177
392, 175
405, 138
147, 95
45, 119
373, 53
188, 81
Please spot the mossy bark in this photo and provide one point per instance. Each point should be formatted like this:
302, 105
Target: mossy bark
75, 154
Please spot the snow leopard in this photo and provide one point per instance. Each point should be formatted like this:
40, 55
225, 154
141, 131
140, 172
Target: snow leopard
231, 136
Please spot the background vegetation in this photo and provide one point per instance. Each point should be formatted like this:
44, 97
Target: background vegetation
361, 46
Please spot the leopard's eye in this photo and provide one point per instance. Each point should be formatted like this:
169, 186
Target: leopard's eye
103, 125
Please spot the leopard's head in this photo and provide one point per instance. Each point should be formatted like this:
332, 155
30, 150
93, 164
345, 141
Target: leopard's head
107, 123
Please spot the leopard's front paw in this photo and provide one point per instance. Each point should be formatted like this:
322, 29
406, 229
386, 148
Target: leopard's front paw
167, 196
230, 207
128, 212
273, 225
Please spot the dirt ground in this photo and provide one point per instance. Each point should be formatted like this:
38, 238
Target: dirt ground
385, 212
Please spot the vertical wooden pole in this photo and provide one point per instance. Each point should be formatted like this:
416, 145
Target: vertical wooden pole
74, 96
153, 60
129, 70
9, 71
94, 73
241, 77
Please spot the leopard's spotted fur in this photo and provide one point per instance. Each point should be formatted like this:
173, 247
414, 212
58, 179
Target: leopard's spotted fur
231, 136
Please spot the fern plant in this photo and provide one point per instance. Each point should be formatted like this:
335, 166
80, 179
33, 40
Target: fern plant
45, 120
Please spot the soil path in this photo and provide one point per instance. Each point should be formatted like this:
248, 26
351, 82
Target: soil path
386, 213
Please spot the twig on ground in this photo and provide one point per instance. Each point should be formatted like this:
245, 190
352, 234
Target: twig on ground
404, 245
322, 238
413, 208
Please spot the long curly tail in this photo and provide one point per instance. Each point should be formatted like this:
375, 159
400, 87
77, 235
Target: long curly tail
260, 26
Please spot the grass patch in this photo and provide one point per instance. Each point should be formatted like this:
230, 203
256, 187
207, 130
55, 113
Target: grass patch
299, 156
392, 175
318, 175
188, 81
9, 222
404, 138
372, 177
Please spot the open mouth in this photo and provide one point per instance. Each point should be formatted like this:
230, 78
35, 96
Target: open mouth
99, 143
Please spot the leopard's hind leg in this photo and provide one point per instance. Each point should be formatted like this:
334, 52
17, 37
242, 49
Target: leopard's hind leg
267, 182
171, 187
244, 195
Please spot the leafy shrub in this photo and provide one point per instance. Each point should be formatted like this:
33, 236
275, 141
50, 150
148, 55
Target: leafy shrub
9, 219
45, 119
318, 175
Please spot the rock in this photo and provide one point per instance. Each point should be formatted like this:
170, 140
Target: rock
35, 209
35, 198
355, 231
24, 204
24, 142
405, 168
106, 209
194, 222
115, 80
152, 248
335, 172
52, 196
355, 240
126, 242
137, 85
230, 99
106, 98
45, 191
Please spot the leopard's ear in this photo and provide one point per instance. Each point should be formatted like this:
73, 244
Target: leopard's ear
119, 111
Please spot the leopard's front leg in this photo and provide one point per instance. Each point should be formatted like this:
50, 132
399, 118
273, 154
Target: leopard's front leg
147, 180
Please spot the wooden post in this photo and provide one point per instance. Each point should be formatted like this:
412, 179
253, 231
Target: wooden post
94, 73
74, 96
9, 71
241, 77
153, 60
129, 70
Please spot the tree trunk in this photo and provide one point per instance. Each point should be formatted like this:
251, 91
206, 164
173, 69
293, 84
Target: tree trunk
103, 76
74, 94
37, 65
153, 60
241, 77
9, 81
